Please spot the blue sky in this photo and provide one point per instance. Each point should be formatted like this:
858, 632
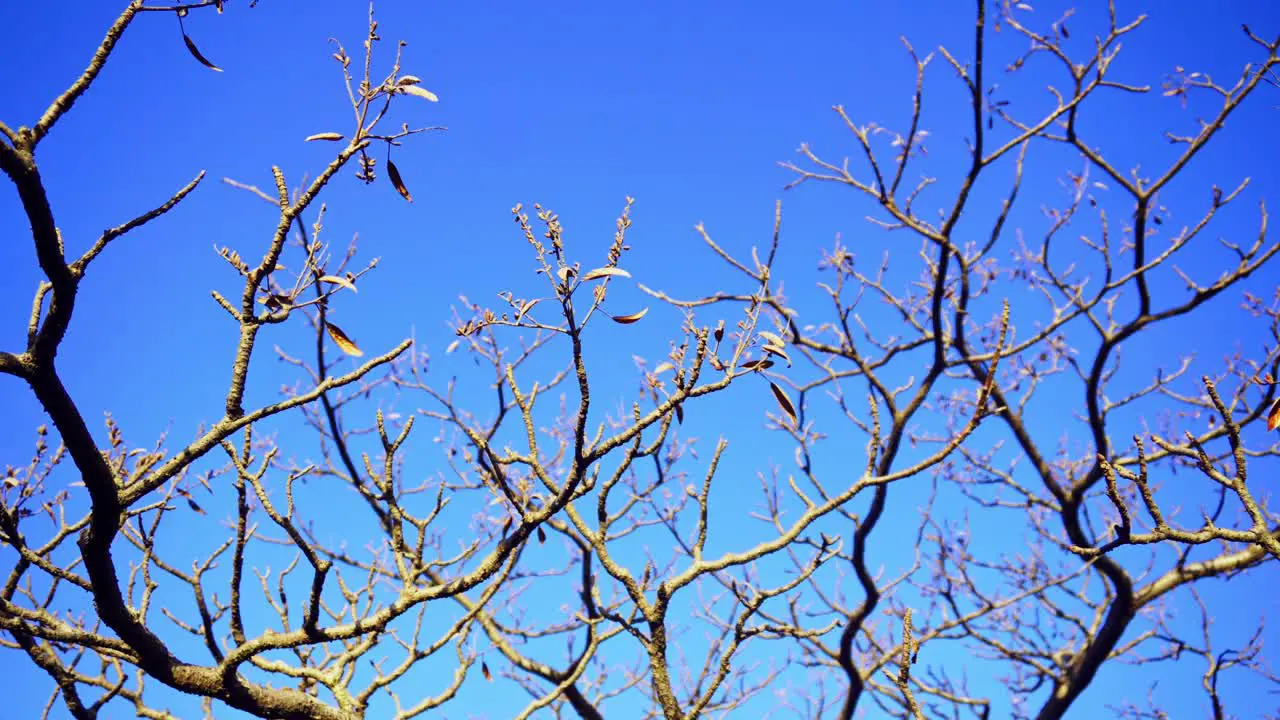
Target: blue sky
686, 107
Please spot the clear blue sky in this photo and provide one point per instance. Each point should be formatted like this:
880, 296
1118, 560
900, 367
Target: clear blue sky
685, 106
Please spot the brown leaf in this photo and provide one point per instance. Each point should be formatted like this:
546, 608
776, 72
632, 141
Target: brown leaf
195, 507
525, 308
195, 53
344, 342
276, 302
779, 351
784, 401
408, 80
339, 281
330, 136
757, 364
565, 273
1273, 417
719, 334
484, 669
680, 414
664, 367
605, 272
628, 319
393, 172
542, 535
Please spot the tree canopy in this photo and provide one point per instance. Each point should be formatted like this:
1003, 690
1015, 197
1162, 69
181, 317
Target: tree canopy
981, 424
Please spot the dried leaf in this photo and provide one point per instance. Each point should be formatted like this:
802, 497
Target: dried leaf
779, 351
344, 342
484, 669
784, 401
339, 281
663, 368
525, 308
330, 136
542, 535
275, 301
393, 172
719, 333
680, 414
628, 319
452, 346
605, 272
772, 339
195, 53
565, 273
196, 507
1273, 417
408, 80
416, 91
757, 364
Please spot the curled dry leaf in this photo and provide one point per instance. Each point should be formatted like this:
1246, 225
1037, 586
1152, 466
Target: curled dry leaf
757, 365
525, 308
196, 507
777, 350
628, 319
484, 669
330, 136
565, 273
680, 414
775, 345
1273, 417
393, 172
416, 91
276, 301
605, 272
344, 343
408, 80
542, 535
195, 53
784, 401
664, 367
339, 281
